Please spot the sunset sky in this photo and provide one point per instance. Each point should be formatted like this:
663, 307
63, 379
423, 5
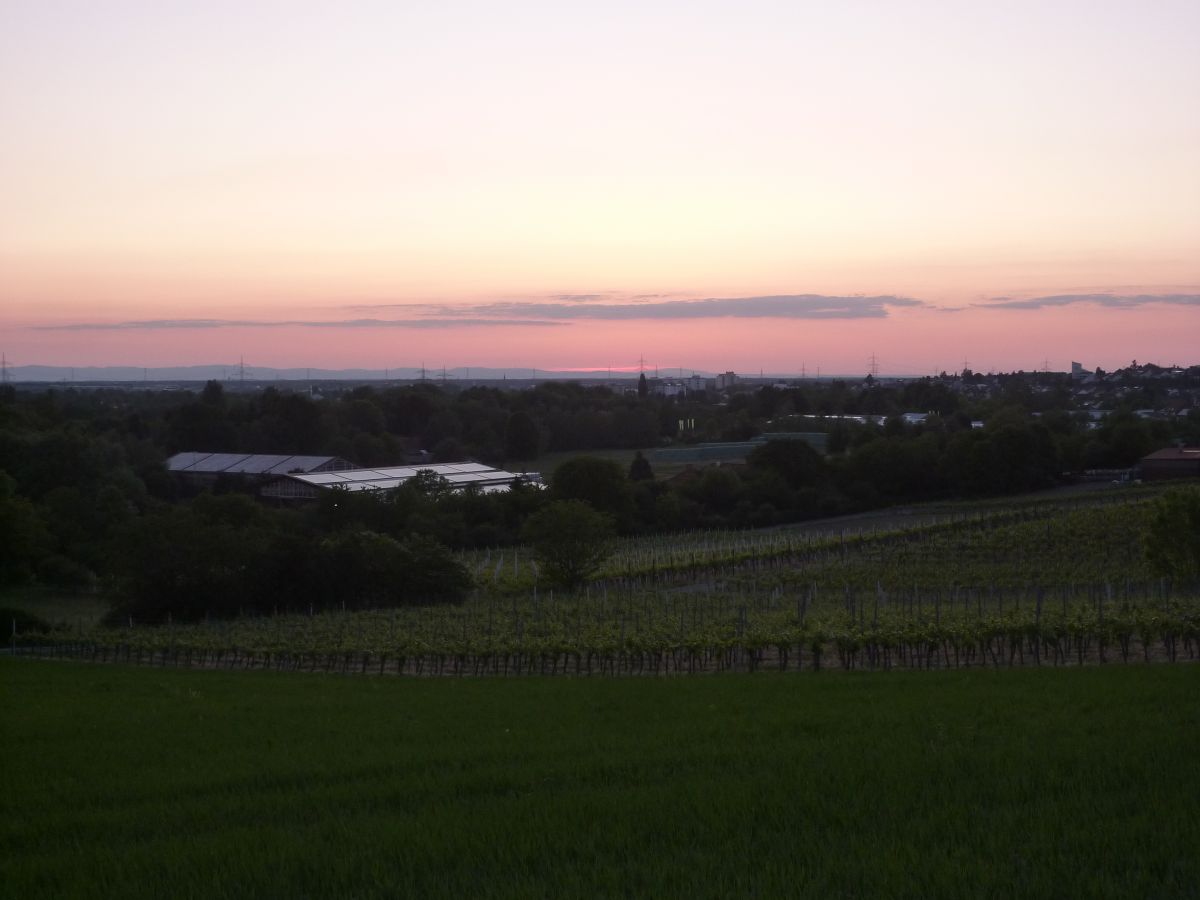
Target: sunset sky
572, 185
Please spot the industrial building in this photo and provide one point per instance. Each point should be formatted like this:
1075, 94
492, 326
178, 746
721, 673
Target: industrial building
208, 467
308, 485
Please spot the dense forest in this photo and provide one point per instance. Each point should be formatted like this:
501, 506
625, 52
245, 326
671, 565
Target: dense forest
86, 502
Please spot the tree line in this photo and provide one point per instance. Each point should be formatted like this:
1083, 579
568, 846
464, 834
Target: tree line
86, 501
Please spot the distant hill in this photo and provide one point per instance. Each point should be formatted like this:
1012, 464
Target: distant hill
266, 373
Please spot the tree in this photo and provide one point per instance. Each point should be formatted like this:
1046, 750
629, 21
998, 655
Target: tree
521, 437
838, 439
639, 469
448, 450
1172, 539
24, 540
719, 488
364, 569
213, 394
643, 387
599, 482
1129, 439
187, 562
798, 463
570, 541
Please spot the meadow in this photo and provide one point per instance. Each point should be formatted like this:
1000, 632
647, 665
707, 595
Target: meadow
133, 782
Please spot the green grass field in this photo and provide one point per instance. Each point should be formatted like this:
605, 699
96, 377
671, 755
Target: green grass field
137, 782
76, 611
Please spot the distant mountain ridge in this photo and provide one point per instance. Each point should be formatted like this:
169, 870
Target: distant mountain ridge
267, 373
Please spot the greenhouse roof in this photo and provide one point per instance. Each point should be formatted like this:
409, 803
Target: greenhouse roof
250, 463
458, 475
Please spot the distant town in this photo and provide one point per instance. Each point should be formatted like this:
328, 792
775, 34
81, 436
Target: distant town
1153, 391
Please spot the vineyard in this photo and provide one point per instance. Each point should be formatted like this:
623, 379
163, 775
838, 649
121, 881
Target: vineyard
1035, 584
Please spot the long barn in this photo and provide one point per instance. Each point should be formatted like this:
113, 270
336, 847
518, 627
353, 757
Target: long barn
309, 485
208, 467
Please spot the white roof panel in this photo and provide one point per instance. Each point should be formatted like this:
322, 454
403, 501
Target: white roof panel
321, 477
398, 471
181, 461
360, 474
298, 463
469, 477
217, 462
259, 464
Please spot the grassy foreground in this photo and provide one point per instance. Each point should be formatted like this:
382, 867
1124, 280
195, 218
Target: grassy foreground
1034, 783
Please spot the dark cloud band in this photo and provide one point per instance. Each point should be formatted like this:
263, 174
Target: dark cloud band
779, 306
560, 310
173, 324
1112, 301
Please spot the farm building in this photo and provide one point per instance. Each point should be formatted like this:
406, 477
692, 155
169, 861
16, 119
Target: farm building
308, 485
208, 467
1173, 462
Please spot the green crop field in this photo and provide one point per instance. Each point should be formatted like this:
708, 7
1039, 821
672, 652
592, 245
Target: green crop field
135, 782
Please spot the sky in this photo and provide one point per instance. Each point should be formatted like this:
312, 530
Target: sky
717, 186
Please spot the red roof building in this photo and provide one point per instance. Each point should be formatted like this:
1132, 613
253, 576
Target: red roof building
1173, 462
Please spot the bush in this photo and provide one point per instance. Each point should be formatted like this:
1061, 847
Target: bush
26, 623
1172, 539
570, 541
364, 569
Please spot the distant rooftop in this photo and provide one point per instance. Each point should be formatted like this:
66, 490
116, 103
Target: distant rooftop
192, 463
1174, 453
